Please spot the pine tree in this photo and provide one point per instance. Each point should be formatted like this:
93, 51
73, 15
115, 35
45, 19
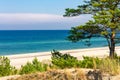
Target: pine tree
105, 22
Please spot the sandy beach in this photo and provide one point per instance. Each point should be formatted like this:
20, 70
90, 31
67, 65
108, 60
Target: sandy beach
21, 59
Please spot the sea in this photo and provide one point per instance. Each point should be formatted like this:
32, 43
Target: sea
31, 41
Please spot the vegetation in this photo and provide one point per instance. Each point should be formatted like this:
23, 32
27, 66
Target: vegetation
64, 60
109, 66
90, 62
33, 67
106, 65
5, 67
55, 75
67, 61
105, 22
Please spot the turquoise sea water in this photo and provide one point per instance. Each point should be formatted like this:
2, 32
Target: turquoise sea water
29, 41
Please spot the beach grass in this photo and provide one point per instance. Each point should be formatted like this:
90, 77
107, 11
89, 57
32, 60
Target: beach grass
94, 62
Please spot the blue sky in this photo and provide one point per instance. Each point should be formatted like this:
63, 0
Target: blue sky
37, 6
38, 14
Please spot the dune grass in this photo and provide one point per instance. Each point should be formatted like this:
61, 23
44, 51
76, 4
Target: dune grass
62, 61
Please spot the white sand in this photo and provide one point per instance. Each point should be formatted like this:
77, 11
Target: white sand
21, 59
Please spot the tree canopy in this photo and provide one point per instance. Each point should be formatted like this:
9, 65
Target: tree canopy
105, 22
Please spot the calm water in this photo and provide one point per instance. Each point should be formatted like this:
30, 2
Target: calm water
19, 42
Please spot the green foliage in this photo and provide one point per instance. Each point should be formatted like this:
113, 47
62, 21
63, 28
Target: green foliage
117, 57
89, 62
64, 60
106, 65
5, 67
33, 67
105, 22
68, 61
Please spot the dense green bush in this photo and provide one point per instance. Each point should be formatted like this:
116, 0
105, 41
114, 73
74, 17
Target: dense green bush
64, 60
89, 62
35, 66
68, 61
5, 67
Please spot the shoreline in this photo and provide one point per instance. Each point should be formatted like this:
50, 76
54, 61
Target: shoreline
21, 59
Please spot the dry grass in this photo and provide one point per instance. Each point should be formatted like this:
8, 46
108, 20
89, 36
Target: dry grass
67, 74
106, 66
109, 66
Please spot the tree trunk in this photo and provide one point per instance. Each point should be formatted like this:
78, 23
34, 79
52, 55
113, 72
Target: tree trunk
112, 47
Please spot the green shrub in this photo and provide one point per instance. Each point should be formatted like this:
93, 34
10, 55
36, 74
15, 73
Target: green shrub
64, 60
89, 62
35, 66
68, 61
117, 58
5, 67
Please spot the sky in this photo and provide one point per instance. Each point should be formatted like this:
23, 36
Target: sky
38, 14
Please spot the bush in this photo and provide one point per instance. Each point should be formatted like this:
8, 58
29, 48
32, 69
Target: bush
64, 60
33, 67
68, 61
5, 67
89, 62
117, 58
